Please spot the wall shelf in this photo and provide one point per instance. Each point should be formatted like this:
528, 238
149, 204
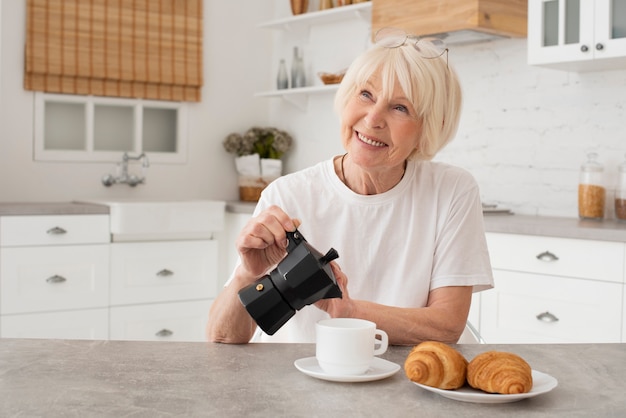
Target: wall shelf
299, 96
305, 20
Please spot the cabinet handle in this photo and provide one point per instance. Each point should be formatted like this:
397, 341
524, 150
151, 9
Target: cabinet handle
599, 47
56, 279
164, 333
584, 48
56, 231
547, 256
165, 273
547, 317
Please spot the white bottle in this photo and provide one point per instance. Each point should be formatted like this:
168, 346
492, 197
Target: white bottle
282, 80
298, 78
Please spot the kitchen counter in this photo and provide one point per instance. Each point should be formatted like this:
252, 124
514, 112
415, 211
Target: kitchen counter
551, 226
123, 378
43, 209
605, 230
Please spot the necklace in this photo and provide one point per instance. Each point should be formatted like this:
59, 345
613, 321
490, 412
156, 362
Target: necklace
343, 175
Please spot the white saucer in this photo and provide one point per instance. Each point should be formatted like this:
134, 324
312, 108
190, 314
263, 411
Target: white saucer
379, 369
542, 383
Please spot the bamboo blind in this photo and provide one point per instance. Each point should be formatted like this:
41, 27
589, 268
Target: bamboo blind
149, 49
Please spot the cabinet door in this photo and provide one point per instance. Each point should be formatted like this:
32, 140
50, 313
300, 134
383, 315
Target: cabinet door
560, 31
16, 231
37, 279
585, 259
533, 308
147, 272
180, 321
610, 33
89, 324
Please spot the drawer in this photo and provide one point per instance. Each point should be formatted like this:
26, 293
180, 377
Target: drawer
163, 271
525, 308
18, 231
596, 260
37, 279
89, 324
179, 321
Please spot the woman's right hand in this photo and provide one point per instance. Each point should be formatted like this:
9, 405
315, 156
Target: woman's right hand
262, 243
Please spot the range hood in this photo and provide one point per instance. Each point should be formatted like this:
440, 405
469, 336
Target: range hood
458, 21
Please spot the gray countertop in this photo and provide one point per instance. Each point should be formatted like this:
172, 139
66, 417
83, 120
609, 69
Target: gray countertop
551, 226
153, 379
47, 208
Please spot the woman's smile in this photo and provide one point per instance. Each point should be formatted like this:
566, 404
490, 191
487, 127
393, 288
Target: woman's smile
370, 141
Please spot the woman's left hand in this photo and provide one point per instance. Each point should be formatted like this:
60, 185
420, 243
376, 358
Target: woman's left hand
336, 307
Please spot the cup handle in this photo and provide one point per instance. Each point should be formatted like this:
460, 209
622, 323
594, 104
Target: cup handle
382, 343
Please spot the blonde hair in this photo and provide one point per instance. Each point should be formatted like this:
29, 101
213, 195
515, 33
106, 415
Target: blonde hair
430, 85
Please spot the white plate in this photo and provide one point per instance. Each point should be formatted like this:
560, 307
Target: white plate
379, 369
542, 383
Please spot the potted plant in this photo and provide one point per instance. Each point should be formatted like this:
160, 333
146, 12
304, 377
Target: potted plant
258, 152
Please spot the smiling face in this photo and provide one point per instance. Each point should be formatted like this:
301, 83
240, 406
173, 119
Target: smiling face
379, 129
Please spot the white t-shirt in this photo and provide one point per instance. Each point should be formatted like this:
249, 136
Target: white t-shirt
425, 233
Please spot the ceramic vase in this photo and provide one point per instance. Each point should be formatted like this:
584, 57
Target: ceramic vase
299, 6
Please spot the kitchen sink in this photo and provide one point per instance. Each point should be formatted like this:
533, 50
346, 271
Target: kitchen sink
148, 220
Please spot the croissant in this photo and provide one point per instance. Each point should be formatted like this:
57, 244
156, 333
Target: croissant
437, 365
500, 372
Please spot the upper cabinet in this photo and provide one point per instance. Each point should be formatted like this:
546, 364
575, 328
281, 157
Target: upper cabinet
458, 20
577, 35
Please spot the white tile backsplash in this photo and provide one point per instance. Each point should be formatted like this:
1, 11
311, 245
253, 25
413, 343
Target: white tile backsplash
526, 130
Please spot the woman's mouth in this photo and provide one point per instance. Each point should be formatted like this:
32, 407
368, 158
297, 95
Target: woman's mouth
368, 141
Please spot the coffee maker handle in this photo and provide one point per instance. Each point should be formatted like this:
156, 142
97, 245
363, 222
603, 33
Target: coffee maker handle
295, 238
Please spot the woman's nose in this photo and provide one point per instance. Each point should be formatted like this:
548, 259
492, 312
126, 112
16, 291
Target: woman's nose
375, 117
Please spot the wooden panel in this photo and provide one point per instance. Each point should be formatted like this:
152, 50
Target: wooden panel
427, 17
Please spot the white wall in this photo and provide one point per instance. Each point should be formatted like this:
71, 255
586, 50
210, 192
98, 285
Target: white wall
524, 131
233, 49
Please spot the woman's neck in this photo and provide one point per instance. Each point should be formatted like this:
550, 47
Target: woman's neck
364, 182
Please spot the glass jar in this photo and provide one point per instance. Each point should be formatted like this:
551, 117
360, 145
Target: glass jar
620, 193
591, 191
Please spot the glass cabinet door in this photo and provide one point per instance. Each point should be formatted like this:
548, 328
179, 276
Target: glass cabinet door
610, 38
577, 35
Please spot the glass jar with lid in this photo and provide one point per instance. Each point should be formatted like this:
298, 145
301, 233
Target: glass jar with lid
620, 192
591, 190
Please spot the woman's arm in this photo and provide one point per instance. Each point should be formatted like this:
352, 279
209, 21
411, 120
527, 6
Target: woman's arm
261, 244
442, 319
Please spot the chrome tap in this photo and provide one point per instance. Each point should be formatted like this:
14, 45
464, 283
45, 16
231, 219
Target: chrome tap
125, 177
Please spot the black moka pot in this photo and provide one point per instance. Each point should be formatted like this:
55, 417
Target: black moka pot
302, 278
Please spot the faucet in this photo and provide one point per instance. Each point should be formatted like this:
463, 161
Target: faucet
125, 178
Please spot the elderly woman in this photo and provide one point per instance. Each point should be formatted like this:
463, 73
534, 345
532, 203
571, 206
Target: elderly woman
409, 231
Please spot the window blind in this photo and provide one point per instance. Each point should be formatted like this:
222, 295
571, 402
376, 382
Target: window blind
149, 49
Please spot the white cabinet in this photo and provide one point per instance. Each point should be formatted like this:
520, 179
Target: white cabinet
161, 291
177, 321
54, 276
577, 35
553, 290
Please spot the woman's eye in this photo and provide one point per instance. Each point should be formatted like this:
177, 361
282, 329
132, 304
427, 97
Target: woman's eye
366, 94
401, 108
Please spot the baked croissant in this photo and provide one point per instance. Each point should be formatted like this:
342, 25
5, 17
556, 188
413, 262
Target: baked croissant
437, 365
500, 372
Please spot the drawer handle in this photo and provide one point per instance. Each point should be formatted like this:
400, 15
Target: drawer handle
56, 231
547, 317
164, 333
547, 256
165, 273
56, 279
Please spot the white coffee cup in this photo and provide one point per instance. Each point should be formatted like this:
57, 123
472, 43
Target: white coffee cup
347, 346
